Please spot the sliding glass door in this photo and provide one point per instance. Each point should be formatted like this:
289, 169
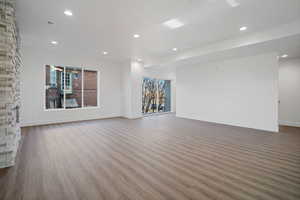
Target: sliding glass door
156, 96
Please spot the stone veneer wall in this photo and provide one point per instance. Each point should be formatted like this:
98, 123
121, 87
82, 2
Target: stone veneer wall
10, 63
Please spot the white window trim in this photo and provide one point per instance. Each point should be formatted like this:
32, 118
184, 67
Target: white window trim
64, 106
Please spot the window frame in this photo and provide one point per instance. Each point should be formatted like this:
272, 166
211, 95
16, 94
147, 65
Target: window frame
82, 86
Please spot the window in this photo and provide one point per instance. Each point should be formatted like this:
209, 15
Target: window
156, 96
54, 94
73, 87
68, 81
90, 88
53, 79
70, 87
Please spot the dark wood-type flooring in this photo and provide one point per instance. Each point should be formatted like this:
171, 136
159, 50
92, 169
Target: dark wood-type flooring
155, 158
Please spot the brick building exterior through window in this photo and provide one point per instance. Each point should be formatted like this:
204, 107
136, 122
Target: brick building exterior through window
71, 87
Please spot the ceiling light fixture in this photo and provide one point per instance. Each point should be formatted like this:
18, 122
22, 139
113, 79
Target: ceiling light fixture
105, 52
243, 28
136, 36
284, 56
139, 60
233, 3
173, 23
54, 42
174, 49
68, 13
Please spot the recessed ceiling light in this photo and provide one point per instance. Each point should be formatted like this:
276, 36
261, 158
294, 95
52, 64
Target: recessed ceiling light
173, 23
136, 36
139, 60
233, 3
105, 52
174, 49
284, 56
68, 12
54, 42
243, 28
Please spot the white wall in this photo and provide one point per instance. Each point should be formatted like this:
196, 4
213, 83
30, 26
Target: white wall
126, 90
165, 74
33, 87
241, 92
137, 70
289, 92
120, 87
132, 90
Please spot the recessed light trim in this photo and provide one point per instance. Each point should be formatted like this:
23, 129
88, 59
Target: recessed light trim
284, 56
139, 60
173, 24
243, 28
54, 42
68, 13
136, 36
105, 52
175, 49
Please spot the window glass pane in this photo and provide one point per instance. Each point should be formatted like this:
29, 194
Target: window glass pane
149, 98
54, 94
164, 96
90, 88
156, 96
73, 87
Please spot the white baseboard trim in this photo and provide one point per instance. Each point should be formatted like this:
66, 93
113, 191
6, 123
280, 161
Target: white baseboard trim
41, 123
275, 130
286, 123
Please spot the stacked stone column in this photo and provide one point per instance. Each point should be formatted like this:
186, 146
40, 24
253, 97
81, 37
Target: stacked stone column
10, 63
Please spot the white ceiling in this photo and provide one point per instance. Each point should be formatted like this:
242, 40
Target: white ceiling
108, 25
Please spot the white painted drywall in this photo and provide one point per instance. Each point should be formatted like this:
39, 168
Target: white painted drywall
137, 70
165, 74
240, 92
33, 87
132, 74
126, 90
289, 92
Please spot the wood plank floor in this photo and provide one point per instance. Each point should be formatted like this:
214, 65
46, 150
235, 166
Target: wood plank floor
155, 158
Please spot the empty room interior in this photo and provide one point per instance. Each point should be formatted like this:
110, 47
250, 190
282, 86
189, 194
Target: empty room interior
150, 100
